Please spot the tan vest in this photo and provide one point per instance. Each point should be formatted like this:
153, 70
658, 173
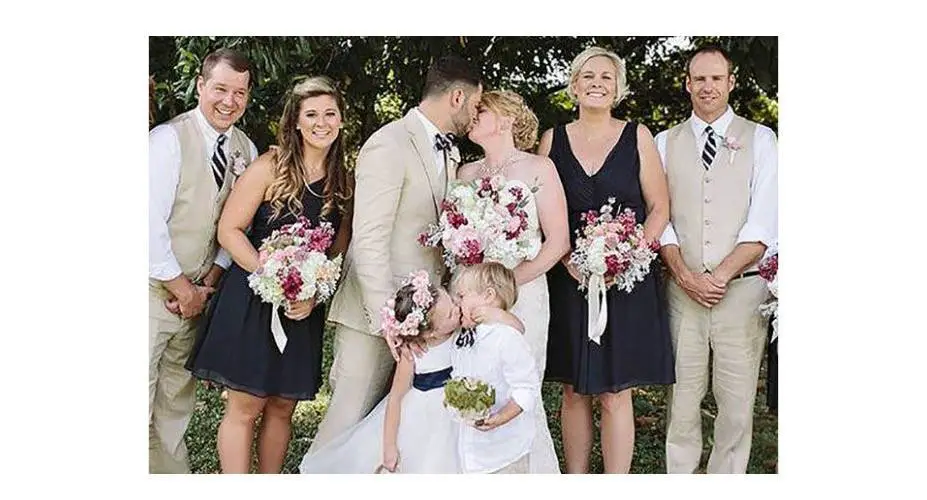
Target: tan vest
708, 207
198, 202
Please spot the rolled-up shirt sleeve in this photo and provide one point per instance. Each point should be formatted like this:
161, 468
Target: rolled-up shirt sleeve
520, 372
763, 216
669, 234
163, 176
223, 259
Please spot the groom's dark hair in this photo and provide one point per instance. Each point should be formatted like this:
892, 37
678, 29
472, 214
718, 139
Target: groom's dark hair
447, 71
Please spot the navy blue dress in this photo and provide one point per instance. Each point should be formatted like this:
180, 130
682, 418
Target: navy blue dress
636, 348
235, 347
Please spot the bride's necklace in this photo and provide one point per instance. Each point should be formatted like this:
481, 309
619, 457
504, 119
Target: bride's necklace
488, 171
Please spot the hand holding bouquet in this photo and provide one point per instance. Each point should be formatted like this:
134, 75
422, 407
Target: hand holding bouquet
769, 271
469, 400
293, 266
610, 251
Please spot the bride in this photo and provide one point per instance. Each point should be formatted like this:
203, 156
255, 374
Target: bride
505, 128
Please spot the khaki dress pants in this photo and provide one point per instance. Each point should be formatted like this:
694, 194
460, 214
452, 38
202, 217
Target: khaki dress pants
735, 332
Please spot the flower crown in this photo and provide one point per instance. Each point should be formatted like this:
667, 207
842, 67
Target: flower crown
415, 321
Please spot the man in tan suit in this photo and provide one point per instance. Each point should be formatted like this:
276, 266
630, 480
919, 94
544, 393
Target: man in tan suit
401, 175
722, 173
192, 162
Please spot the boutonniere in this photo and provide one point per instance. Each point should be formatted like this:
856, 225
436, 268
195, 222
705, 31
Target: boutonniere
732, 144
238, 163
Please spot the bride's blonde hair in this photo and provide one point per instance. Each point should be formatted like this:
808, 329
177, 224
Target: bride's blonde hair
509, 104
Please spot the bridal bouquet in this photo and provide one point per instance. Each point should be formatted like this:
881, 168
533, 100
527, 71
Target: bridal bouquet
468, 399
293, 266
610, 251
485, 220
769, 271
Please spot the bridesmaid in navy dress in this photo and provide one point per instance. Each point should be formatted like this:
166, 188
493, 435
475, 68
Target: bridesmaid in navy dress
305, 175
599, 157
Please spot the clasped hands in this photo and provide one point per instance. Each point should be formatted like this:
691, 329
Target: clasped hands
704, 288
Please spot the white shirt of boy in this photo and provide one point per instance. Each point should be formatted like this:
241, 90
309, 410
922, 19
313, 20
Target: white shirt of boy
498, 355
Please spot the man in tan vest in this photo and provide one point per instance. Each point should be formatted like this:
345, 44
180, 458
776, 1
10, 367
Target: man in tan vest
192, 161
401, 176
722, 173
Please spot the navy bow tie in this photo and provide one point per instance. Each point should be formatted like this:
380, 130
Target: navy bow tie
444, 142
466, 337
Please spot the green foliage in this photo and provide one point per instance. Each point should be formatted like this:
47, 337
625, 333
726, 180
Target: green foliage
382, 77
470, 396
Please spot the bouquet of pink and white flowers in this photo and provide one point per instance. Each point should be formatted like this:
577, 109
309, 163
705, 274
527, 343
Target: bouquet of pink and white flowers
610, 251
769, 271
485, 220
293, 266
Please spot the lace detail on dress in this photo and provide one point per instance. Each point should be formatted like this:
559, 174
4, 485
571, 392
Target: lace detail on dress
533, 309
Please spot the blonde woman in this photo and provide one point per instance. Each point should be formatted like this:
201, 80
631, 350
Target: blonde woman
597, 157
506, 129
304, 176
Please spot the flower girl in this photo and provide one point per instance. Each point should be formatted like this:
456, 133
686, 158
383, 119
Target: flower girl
409, 431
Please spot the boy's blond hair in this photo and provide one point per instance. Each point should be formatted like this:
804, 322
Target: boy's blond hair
489, 275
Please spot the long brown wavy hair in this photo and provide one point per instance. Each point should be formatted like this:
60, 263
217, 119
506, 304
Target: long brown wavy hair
289, 173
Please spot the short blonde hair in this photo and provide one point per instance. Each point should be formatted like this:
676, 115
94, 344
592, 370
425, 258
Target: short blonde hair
509, 104
621, 75
489, 275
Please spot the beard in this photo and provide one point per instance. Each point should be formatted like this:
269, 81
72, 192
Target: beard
462, 122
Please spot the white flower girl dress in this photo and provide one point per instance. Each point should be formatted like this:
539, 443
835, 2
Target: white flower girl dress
427, 437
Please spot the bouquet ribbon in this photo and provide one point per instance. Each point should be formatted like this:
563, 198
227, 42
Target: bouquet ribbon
598, 308
276, 329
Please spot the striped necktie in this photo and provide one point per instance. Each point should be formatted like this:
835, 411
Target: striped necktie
708, 153
219, 162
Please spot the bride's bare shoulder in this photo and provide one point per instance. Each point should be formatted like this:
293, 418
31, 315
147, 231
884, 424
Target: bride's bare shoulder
536, 163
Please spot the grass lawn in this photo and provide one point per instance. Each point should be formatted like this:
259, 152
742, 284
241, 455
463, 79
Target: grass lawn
649, 411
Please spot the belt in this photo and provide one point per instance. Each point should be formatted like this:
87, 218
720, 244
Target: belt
746, 275
431, 380
741, 275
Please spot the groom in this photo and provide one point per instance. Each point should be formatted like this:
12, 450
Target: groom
401, 176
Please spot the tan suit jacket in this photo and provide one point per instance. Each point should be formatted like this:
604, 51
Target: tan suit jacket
399, 189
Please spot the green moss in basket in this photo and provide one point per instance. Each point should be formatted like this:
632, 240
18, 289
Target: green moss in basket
465, 393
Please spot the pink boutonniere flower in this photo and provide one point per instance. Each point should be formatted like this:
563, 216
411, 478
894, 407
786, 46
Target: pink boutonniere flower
733, 145
238, 163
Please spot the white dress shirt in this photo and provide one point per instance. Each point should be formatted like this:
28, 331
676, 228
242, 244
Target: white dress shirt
431, 130
501, 357
164, 161
763, 215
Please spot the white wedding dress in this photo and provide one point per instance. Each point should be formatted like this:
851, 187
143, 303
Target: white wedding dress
533, 309
427, 437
